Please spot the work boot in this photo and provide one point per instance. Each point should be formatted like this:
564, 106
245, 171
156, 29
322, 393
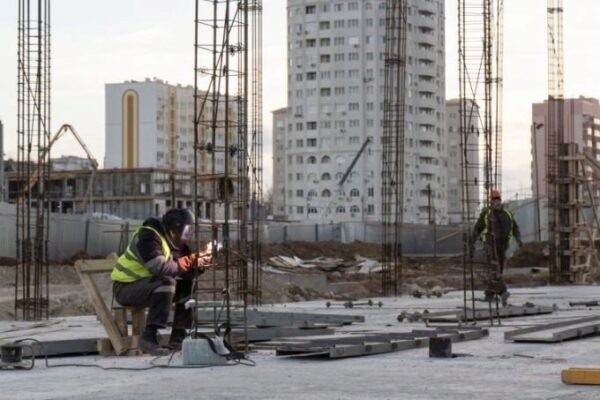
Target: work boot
149, 343
177, 336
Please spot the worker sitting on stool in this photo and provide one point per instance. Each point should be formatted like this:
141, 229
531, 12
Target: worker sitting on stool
497, 227
157, 269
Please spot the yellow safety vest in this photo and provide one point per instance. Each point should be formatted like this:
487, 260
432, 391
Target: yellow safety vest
130, 267
486, 229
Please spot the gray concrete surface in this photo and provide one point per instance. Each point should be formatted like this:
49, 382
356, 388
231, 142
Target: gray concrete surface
489, 368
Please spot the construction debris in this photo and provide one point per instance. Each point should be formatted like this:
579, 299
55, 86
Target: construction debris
360, 265
557, 331
581, 376
339, 346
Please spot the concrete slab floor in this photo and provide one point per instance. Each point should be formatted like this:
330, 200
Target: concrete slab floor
489, 368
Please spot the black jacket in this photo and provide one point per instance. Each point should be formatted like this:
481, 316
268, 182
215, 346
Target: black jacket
500, 224
150, 250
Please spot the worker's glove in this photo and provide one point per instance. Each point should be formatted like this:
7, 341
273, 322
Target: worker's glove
202, 261
519, 242
185, 263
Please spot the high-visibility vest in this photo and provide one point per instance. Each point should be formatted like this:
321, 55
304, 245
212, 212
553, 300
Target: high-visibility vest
130, 266
486, 229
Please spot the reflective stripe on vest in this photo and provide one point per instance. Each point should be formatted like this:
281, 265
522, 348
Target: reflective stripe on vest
486, 229
130, 266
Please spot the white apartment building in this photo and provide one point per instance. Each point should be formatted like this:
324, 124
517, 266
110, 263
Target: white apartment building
150, 124
336, 74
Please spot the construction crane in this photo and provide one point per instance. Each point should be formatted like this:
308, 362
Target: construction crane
340, 185
34, 177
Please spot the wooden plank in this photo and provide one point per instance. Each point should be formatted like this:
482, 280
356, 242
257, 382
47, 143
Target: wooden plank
102, 311
95, 266
581, 376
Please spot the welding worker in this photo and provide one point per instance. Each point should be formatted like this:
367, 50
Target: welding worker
156, 270
496, 226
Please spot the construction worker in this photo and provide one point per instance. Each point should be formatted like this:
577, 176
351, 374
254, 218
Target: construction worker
496, 226
157, 269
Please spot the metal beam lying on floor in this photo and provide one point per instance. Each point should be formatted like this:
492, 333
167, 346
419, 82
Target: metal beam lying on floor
271, 318
368, 344
267, 334
557, 331
502, 312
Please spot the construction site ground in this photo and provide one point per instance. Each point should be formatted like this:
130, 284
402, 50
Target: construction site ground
487, 368
423, 274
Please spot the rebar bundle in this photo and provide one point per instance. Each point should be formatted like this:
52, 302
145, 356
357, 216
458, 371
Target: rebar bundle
393, 145
559, 217
33, 135
228, 138
480, 84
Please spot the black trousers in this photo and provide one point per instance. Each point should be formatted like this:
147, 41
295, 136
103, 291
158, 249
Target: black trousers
158, 293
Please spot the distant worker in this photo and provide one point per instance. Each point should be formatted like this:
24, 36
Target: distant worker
157, 269
496, 226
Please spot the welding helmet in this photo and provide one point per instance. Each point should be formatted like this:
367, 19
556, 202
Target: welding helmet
178, 224
494, 194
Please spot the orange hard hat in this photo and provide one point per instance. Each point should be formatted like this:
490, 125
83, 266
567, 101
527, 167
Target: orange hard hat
494, 194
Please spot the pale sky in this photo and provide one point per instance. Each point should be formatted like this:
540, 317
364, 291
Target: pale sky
98, 42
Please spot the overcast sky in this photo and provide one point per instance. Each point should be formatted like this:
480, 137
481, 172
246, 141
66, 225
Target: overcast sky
97, 42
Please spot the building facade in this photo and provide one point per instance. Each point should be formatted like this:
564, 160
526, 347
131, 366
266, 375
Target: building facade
334, 120
581, 126
279, 164
150, 124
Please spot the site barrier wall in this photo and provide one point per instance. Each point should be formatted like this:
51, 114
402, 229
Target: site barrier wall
72, 234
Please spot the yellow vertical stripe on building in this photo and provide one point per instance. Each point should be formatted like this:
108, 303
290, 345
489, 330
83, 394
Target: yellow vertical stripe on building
130, 129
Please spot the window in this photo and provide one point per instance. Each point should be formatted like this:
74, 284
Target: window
339, 74
340, 210
326, 177
353, 6
354, 193
325, 74
311, 142
300, 210
370, 209
325, 58
299, 160
354, 123
311, 42
299, 143
338, 7
311, 9
353, 73
325, 160
339, 91
339, 41
324, 42
339, 23
312, 193
326, 193
371, 192
354, 106
310, 126
324, 25
299, 193
298, 77
355, 210
312, 160
298, 126
299, 176
338, 57
312, 210
353, 23
325, 92
354, 140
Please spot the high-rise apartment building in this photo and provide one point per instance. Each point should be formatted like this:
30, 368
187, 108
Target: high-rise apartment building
334, 122
150, 124
581, 126
278, 189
